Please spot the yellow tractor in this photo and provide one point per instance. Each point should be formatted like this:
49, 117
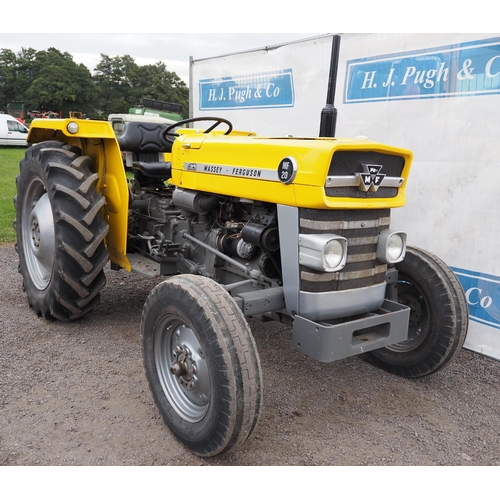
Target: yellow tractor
296, 230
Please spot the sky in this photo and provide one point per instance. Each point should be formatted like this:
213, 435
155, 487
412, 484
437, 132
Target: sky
172, 31
172, 49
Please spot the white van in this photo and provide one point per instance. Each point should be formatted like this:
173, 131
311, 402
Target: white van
12, 131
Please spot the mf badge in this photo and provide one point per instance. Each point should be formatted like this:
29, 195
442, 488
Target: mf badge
287, 170
371, 178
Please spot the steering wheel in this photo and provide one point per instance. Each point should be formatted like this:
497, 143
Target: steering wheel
217, 122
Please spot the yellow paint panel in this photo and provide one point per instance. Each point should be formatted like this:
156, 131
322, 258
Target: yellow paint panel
97, 140
224, 154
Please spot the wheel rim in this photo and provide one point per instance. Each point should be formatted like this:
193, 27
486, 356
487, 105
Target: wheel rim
411, 296
38, 234
182, 368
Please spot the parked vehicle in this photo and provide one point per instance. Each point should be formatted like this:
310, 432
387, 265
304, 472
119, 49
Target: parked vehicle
161, 109
12, 131
287, 229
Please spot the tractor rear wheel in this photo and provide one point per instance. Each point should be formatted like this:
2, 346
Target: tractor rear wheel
438, 317
60, 231
201, 363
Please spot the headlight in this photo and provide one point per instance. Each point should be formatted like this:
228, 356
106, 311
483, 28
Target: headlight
72, 127
322, 252
333, 254
391, 246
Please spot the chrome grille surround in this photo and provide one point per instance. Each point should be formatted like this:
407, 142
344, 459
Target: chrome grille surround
344, 181
361, 228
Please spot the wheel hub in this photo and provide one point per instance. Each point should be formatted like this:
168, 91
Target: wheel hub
182, 369
38, 234
413, 303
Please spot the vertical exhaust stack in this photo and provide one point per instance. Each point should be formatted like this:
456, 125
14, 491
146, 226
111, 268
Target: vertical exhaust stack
329, 112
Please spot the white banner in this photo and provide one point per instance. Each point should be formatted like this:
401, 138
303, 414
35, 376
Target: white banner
271, 91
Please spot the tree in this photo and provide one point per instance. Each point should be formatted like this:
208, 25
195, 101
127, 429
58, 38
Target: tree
25, 70
114, 77
59, 84
123, 84
8, 89
50, 80
155, 82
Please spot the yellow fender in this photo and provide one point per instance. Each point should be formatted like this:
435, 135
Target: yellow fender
97, 140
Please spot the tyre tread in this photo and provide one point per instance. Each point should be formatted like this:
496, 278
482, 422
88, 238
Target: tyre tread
80, 230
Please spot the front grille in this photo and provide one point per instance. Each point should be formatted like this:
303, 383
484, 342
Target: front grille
361, 228
349, 163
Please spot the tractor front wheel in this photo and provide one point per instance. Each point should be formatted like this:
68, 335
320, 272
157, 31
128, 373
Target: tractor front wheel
201, 363
438, 317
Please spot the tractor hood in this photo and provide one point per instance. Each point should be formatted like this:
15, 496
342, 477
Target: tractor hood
306, 172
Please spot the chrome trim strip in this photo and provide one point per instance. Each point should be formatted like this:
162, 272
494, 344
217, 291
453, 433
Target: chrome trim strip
337, 225
361, 257
340, 276
355, 181
368, 240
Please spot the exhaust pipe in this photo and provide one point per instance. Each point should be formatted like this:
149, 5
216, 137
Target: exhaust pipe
329, 112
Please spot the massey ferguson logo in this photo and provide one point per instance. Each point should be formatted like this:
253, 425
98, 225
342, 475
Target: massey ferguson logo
371, 178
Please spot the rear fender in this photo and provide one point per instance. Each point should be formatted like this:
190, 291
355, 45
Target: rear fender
97, 140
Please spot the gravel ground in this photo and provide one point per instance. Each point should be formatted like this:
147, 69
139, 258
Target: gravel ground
76, 394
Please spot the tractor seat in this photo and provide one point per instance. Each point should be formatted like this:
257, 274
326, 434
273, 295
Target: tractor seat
145, 139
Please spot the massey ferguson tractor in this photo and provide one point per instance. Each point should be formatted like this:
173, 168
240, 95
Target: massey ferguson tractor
296, 230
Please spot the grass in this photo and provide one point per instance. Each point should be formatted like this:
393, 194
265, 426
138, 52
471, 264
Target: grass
9, 169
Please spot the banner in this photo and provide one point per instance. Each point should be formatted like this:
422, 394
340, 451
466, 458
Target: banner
466, 69
261, 90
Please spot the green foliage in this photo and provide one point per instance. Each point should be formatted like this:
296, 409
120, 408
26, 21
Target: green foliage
9, 168
158, 83
123, 84
113, 78
59, 84
49, 80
